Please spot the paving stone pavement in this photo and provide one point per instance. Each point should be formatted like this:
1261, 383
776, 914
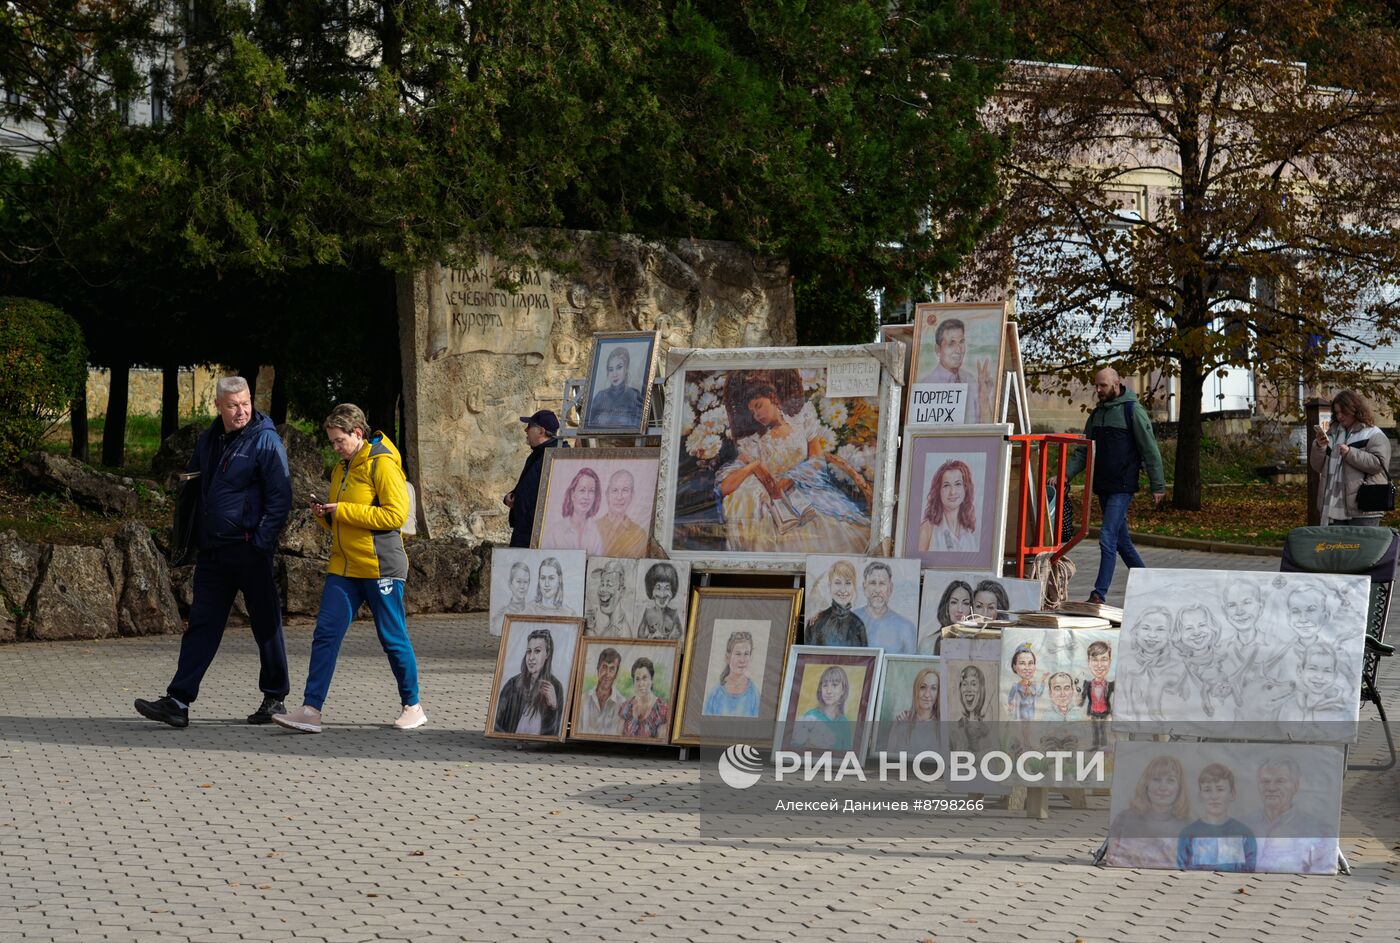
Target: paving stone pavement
114, 828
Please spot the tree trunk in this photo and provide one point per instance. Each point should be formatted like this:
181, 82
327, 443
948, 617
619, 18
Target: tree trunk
114, 428
1186, 488
78, 421
277, 409
249, 372
169, 402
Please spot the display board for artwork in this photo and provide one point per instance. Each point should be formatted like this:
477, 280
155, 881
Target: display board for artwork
1238, 807
862, 601
771, 454
533, 683
904, 334
535, 582
952, 507
600, 501
1018, 403
951, 596
646, 598
956, 377
828, 701
1207, 650
1058, 687
732, 673
626, 690
617, 396
908, 708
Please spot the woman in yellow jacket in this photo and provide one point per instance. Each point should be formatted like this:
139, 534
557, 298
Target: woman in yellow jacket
368, 505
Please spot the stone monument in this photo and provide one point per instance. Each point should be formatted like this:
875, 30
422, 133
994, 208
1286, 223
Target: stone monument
485, 345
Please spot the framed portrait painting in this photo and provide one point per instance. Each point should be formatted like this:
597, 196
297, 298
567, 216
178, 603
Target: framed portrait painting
626, 690
863, 601
956, 376
644, 598
531, 690
909, 709
952, 508
735, 651
617, 391
828, 702
600, 501
535, 582
771, 454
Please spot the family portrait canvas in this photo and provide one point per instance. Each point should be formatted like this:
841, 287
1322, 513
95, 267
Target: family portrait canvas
762, 467
1280, 652
1235, 807
644, 598
735, 652
909, 712
950, 597
618, 388
828, 701
534, 678
626, 691
953, 497
599, 501
863, 601
535, 582
957, 364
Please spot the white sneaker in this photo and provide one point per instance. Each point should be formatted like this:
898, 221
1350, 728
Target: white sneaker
411, 717
303, 720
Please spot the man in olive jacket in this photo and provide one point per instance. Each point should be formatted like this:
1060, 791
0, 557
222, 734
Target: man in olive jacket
1121, 432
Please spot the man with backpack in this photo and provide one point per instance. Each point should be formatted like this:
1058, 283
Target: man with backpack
1123, 441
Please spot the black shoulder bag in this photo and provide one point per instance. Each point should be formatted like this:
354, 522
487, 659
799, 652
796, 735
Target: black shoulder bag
1371, 499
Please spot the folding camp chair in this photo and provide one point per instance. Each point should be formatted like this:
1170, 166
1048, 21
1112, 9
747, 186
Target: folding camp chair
1372, 551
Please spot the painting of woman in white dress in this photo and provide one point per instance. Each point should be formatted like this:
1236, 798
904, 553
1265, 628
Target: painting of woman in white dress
788, 490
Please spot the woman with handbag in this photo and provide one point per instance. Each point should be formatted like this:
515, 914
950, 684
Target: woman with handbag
1353, 458
368, 507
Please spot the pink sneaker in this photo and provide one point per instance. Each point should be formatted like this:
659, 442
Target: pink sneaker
411, 717
303, 720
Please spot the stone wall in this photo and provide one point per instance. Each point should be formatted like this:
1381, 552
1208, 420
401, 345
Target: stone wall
144, 387
476, 355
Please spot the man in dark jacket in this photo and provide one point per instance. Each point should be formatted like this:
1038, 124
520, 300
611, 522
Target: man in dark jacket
540, 432
1123, 441
245, 498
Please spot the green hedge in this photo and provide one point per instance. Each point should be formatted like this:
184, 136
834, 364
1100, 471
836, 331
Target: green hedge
42, 362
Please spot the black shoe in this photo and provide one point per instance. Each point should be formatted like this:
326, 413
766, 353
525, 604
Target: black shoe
164, 710
270, 705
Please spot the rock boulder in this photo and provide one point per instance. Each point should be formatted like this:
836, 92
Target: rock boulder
299, 582
447, 575
174, 453
73, 596
146, 605
95, 490
307, 465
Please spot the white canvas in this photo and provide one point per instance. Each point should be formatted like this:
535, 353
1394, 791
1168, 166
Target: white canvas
969, 704
1243, 807
1057, 694
516, 585
949, 596
891, 620
645, 598
1206, 650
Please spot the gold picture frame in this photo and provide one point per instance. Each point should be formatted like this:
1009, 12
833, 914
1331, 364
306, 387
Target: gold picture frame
629, 650
744, 610
498, 715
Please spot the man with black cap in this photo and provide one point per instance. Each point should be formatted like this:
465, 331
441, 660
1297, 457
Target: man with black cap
540, 432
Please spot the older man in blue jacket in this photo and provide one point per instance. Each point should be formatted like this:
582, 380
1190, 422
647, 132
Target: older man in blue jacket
245, 498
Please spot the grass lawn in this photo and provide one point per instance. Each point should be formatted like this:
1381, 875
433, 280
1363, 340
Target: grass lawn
1258, 513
